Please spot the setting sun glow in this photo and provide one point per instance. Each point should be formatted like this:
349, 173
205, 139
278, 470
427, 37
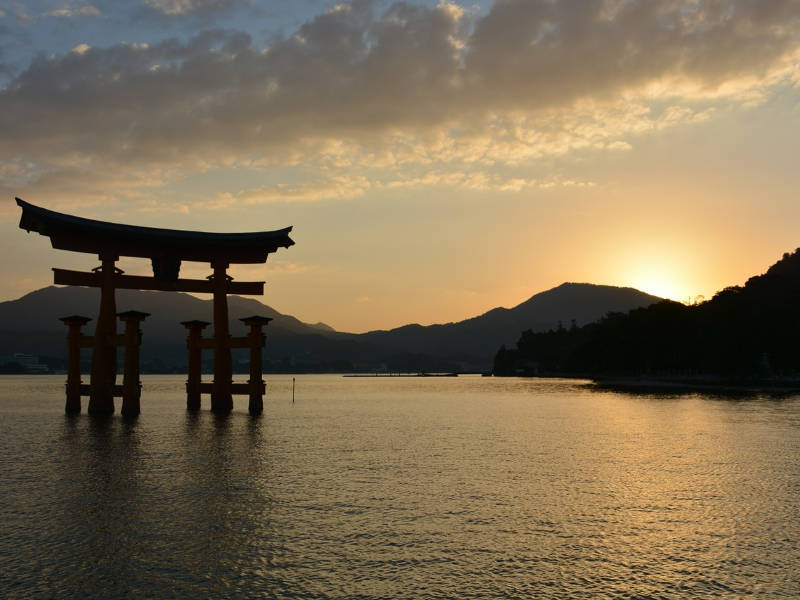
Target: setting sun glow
658, 273
661, 285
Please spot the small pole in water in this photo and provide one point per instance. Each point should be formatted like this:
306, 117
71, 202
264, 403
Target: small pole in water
292, 390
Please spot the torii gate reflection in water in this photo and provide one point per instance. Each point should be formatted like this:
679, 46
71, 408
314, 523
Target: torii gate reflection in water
166, 248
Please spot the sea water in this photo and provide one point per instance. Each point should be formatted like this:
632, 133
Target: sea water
383, 487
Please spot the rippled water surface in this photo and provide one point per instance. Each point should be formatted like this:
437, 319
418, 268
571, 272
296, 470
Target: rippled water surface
462, 487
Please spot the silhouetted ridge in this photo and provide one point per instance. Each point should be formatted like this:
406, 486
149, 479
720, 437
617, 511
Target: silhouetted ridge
30, 324
472, 342
743, 331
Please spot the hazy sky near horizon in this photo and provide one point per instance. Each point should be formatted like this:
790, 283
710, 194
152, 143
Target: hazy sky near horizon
436, 159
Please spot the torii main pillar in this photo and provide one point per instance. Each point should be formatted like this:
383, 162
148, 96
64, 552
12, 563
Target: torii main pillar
104, 354
222, 393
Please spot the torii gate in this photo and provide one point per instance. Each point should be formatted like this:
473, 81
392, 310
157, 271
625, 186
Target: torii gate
166, 248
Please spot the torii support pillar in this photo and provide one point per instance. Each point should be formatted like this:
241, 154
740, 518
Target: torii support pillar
131, 385
74, 338
256, 382
222, 389
104, 355
195, 362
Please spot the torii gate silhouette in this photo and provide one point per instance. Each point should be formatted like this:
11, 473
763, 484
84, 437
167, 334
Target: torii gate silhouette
166, 248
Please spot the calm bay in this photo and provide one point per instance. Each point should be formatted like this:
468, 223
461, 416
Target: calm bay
382, 487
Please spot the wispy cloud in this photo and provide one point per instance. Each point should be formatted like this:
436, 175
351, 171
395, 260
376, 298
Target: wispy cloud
346, 188
481, 181
183, 7
79, 182
336, 188
69, 10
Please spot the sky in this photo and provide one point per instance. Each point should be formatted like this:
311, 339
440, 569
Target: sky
436, 159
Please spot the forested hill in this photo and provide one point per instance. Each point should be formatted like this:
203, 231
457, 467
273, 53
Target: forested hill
743, 331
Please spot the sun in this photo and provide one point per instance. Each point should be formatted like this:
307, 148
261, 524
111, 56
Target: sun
660, 278
659, 285
660, 270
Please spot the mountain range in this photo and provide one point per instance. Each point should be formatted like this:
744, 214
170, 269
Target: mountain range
30, 325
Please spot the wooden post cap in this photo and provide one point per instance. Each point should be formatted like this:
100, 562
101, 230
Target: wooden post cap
75, 320
256, 320
195, 324
133, 315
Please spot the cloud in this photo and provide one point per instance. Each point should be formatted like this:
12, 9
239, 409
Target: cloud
335, 188
79, 181
481, 181
70, 10
185, 7
289, 268
345, 188
412, 86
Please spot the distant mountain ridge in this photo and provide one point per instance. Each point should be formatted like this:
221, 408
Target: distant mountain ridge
477, 339
30, 324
